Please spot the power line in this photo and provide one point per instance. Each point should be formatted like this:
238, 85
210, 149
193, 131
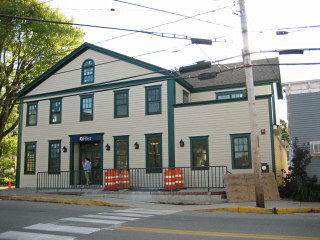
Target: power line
172, 13
158, 34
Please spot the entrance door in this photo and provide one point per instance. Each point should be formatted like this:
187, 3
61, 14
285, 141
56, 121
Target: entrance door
91, 150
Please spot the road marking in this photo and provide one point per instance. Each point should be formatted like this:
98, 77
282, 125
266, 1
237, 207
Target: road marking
61, 228
128, 214
16, 235
146, 211
214, 234
87, 220
110, 217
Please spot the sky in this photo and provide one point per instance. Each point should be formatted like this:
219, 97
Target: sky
218, 20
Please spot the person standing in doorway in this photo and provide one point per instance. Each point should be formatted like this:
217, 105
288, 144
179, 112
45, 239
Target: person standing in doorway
87, 169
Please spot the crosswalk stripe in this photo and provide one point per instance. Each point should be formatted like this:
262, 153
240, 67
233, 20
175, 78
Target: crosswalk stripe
110, 217
128, 214
147, 211
16, 235
62, 228
89, 220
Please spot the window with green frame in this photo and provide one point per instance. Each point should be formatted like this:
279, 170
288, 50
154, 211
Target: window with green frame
153, 100
121, 103
154, 153
241, 151
54, 162
230, 95
121, 152
185, 96
86, 111
55, 111
199, 152
32, 113
88, 71
30, 158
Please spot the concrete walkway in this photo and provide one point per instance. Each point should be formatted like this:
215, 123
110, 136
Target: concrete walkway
183, 201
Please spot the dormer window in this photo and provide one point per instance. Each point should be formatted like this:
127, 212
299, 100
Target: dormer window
88, 71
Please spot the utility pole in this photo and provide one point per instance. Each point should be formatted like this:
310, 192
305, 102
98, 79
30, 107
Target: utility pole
252, 108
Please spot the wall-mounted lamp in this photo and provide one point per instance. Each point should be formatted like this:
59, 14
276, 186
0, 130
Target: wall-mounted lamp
108, 147
181, 143
136, 145
64, 149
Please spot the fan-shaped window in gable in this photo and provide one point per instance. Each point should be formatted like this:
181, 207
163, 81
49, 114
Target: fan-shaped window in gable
88, 71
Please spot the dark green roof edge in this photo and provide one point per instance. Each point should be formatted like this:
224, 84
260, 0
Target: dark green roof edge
80, 50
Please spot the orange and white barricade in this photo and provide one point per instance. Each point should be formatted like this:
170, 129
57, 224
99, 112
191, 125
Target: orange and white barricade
169, 179
179, 178
111, 180
124, 179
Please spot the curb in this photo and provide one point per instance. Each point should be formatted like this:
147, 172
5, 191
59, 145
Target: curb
263, 210
63, 201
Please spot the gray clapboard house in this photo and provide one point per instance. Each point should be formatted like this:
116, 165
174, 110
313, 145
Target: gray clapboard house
303, 100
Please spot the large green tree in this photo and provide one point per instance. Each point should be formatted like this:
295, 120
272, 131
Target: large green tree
27, 49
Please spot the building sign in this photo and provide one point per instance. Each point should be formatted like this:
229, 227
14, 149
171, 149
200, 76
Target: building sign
86, 138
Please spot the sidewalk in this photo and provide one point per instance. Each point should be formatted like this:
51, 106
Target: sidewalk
155, 200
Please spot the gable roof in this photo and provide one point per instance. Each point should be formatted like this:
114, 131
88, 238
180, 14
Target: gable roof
234, 74
84, 47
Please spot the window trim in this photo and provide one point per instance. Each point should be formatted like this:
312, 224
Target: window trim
312, 148
185, 95
147, 137
51, 113
28, 115
115, 138
147, 89
26, 172
207, 163
241, 135
49, 156
229, 93
116, 93
81, 107
83, 69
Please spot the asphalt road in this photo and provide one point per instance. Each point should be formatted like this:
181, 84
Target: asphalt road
36, 220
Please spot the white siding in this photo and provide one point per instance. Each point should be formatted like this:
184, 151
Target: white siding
107, 69
218, 121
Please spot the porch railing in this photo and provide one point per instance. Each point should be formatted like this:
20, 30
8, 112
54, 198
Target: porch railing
139, 178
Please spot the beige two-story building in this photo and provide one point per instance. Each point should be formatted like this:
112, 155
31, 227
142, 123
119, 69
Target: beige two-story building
124, 113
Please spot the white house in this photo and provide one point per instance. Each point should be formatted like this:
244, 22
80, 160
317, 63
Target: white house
124, 113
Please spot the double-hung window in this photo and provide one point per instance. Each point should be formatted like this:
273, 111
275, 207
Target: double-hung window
88, 71
185, 96
121, 157
32, 114
54, 156
153, 100
86, 111
154, 153
241, 151
121, 103
199, 152
55, 111
30, 158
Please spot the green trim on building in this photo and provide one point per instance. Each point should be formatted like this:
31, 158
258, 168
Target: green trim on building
52, 101
115, 103
171, 94
192, 160
272, 136
30, 104
50, 171
20, 126
147, 137
82, 97
26, 172
241, 135
148, 89
115, 151
83, 68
